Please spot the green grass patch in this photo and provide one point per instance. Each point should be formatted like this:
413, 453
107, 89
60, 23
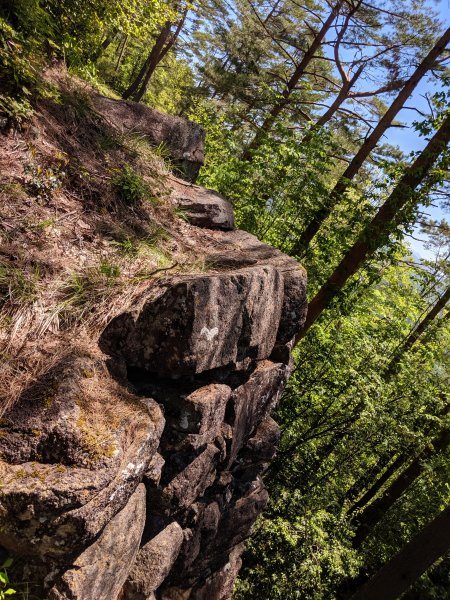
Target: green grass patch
130, 186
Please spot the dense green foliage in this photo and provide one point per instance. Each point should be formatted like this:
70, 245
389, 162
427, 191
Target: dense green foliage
365, 401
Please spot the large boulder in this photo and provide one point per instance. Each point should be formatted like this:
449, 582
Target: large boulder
183, 139
102, 497
210, 321
201, 323
74, 450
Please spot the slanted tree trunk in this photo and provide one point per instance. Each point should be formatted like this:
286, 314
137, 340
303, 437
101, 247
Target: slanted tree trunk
348, 81
123, 45
163, 43
374, 489
396, 576
299, 71
338, 101
104, 45
374, 234
376, 511
384, 460
154, 63
150, 63
345, 93
413, 337
355, 165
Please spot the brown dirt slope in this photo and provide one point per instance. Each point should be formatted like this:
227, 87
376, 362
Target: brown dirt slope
87, 223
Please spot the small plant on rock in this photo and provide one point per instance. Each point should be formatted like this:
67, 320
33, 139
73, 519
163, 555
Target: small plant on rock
5, 589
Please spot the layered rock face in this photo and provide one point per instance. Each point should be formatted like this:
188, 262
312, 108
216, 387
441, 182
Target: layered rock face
139, 476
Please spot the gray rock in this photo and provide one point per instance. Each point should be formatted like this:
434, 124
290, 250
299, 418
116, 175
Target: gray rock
241, 249
153, 563
295, 306
196, 419
183, 139
187, 485
253, 400
210, 350
219, 585
203, 207
204, 524
65, 473
176, 593
263, 443
201, 323
153, 473
101, 570
218, 526
260, 449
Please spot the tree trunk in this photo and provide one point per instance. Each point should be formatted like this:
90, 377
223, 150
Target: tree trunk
151, 62
385, 459
162, 53
412, 338
103, 46
396, 576
376, 511
121, 53
328, 114
291, 84
374, 234
385, 122
373, 490
333, 108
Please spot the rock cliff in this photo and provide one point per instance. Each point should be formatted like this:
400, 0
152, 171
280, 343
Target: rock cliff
136, 473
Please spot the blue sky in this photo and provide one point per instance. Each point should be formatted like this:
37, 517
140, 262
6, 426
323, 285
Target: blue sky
408, 139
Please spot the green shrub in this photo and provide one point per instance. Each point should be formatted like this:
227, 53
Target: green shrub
130, 186
18, 73
16, 110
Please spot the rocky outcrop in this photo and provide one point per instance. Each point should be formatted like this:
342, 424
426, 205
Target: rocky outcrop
202, 207
182, 139
137, 474
65, 473
224, 318
153, 563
